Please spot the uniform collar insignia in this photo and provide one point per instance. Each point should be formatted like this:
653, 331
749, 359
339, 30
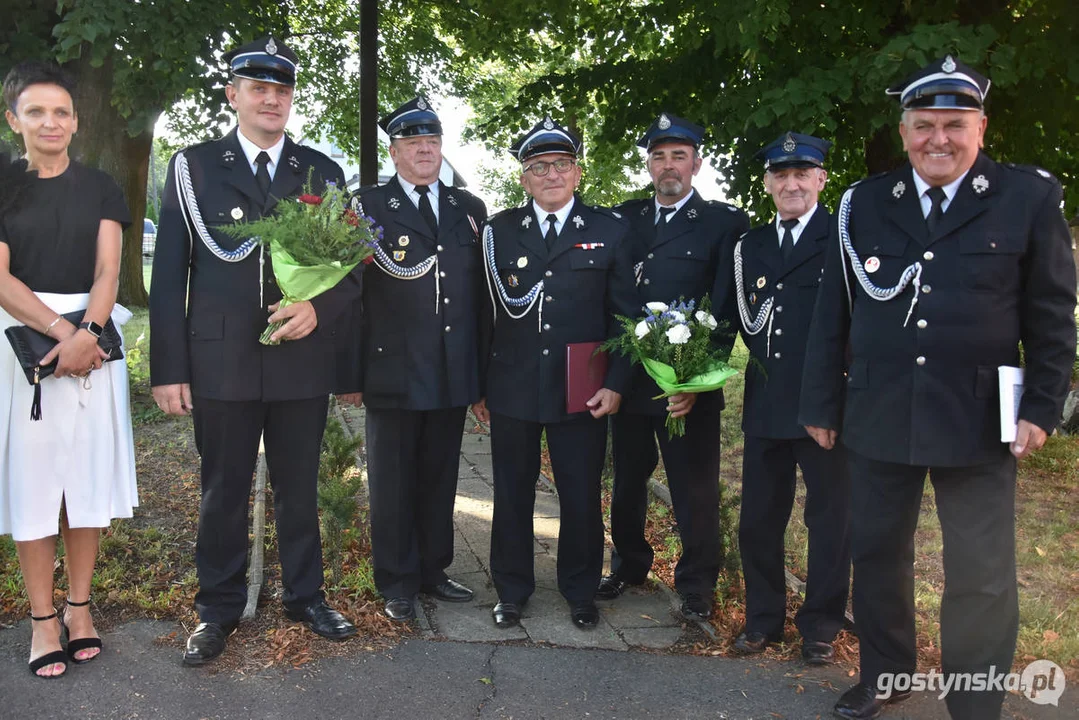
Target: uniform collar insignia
228, 156
526, 221
980, 184
644, 210
394, 202
691, 213
293, 162
899, 189
451, 199
578, 221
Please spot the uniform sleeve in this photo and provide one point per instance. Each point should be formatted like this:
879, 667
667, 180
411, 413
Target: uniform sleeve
823, 383
1047, 312
622, 299
169, 363
113, 205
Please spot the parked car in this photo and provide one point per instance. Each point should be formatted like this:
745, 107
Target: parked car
149, 237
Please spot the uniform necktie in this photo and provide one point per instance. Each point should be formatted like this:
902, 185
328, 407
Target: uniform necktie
661, 222
426, 212
551, 235
936, 210
786, 243
262, 174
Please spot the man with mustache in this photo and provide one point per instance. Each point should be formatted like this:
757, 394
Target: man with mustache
936, 275
677, 239
559, 272
775, 271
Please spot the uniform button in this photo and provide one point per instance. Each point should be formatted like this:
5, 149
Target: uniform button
548, 274
779, 331
447, 328
777, 356
591, 262
445, 301
546, 326
650, 256
442, 273
922, 324
647, 281
549, 298
920, 360
779, 286
380, 349
928, 255
546, 351
779, 308
689, 252
439, 248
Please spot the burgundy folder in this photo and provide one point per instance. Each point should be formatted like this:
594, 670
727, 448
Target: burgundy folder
585, 372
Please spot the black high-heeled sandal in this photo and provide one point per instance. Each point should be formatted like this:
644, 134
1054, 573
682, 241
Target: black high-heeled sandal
56, 657
77, 646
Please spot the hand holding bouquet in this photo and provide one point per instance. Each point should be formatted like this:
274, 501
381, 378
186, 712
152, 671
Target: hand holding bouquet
314, 241
674, 344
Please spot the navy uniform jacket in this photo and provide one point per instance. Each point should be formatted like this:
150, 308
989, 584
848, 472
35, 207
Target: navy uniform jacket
584, 288
205, 313
416, 354
997, 272
683, 262
774, 373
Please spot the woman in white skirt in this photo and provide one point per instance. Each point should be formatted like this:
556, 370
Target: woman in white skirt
73, 470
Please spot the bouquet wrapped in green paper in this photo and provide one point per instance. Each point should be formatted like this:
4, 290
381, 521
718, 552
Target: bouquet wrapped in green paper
314, 242
675, 345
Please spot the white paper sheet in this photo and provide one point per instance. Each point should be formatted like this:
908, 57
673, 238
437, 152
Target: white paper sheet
1011, 392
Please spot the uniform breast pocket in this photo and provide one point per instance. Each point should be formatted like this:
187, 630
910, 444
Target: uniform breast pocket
990, 263
599, 259
689, 265
884, 260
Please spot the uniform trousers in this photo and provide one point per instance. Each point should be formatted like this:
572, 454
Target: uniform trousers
227, 437
412, 461
691, 463
577, 449
979, 612
768, 488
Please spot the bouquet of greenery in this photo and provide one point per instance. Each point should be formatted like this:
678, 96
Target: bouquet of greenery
314, 241
674, 343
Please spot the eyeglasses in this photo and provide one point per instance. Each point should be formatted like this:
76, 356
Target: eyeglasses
540, 169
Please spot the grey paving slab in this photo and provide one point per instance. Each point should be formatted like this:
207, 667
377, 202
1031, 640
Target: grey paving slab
546, 619
654, 638
639, 608
472, 621
464, 559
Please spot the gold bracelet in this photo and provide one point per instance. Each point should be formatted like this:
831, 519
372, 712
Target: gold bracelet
53, 323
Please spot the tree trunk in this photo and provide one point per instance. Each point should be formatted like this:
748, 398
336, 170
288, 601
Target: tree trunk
368, 92
104, 141
880, 152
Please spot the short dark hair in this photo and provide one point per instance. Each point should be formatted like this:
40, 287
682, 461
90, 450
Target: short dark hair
35, 72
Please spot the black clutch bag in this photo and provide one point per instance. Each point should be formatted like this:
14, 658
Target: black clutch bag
30, 346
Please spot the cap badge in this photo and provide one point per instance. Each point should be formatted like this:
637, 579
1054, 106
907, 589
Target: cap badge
664, 122
899, 189
872, 264
421, 104
271, 47
948, 65
237, 213
691, 213
980, 184
293, 162
522, 262
403, 241
789, 144
578, 221
526, 222
512, 280
548, 123
761, 282
451, 199
394, 203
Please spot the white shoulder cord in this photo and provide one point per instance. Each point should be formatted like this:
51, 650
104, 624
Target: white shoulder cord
401, 272
752, 327
494, 282
189, 208
913, 273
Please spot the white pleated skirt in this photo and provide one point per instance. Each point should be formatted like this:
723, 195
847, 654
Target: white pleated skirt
81, 450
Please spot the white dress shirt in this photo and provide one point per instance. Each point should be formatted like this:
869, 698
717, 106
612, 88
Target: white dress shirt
414, 195
677, 206
251, 151
796, 231
561, 213
927, 202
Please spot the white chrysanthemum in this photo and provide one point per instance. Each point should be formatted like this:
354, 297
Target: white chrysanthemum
679, 335
642, 329
657, 307
677, 316
706, 319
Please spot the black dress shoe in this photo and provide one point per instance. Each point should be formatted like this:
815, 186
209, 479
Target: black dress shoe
207, 642
611, 586
448, 590
861, 703
750, 643
817, 652
506, 614
695, 607
400, 609
323, 620
585, 616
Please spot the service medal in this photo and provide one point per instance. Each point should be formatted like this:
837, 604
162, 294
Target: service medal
522, 262
872, 264
237, 213
403, 241
512, 281
398, 255
761, 282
